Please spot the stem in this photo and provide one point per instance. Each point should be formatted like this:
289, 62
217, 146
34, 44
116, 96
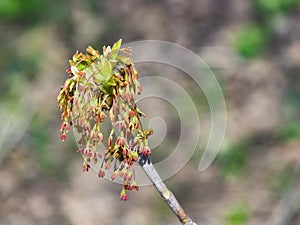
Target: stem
165, 193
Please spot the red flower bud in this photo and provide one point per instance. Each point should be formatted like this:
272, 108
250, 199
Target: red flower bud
107, 166
101, 173
123, 195
146, 151
129, 176
85, 167
68, 70
131, 113
114, 175
63, 136
136, 188
102, 116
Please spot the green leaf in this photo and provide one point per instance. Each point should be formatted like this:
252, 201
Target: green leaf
93, 70
115, 49
117, 45
106, 69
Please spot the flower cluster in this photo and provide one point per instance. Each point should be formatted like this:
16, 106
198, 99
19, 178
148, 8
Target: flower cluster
103, 86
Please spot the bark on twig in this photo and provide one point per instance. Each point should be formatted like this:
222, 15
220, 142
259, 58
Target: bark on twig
165, 193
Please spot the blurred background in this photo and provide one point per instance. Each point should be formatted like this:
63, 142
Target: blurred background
253, 48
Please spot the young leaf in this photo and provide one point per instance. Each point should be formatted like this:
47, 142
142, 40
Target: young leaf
115, 49
106, 69
95, 70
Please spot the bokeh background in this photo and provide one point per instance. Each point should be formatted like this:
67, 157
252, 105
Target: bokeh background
253, 48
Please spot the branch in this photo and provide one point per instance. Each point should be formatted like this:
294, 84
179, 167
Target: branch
165, 193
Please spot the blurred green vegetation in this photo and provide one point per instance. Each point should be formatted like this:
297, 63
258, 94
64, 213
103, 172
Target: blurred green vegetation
238, 214
163, 211
251, 40
290, 128
18, 9
232, 160
31, 12
19, 71
290, 131
51, 162
283, 180
276, 6
42, 147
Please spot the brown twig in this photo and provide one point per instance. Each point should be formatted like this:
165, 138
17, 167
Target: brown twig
165, 193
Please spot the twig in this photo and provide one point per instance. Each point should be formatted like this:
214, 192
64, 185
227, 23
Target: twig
165, 193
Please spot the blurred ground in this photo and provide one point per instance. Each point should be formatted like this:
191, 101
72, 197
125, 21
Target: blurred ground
253, 47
